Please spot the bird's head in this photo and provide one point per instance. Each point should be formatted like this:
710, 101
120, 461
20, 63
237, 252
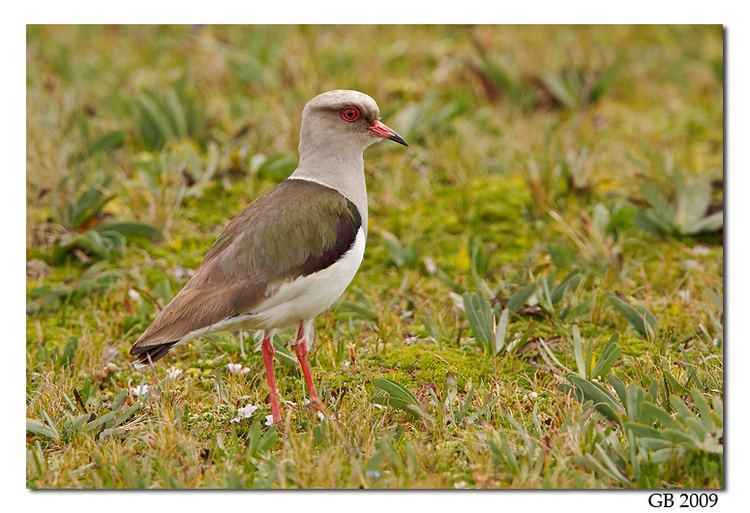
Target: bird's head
341, 120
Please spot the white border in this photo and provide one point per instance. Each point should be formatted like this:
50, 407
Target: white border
379, 11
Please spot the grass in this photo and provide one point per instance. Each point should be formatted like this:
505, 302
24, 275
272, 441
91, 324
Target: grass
540, 304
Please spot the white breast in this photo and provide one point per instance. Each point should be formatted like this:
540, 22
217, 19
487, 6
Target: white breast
305, 297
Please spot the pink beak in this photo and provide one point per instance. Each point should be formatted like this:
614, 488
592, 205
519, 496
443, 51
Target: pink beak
383, 131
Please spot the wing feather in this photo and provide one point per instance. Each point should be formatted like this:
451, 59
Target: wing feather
296, 229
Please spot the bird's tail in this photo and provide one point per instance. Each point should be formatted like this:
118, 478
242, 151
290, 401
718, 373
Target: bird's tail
147, 355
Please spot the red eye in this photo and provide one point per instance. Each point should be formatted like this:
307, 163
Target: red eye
350, 114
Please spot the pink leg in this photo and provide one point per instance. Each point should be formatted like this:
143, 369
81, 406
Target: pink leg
267, 351
300, 347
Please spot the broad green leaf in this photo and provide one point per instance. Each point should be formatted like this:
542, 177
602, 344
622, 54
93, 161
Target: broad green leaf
650, 412
125, 414
103, 144
653, 444
638, 316
711, 223
705, 411
502, 328
633, 399
607, 358
569, 282
600, 220
611, 465
359, 310
574, 312
682, 409
663, 210
89, 205
696, 427
583, 369
618, 385
478, 312
68, 354
693, 199
130, 229
603, 82
666, 454
510, 455
152, 114
559, 89
176, 114
603, 401
402, 256
519, 298
678, 436
396, 395
99, 422
119, 399
40, 428
648, 222
277, 167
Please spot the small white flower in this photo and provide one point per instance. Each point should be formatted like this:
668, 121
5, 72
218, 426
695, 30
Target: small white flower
244, 413
459, 484
269, 420
430, 265
110, 354
320, 415
684, 295
247, 411
701, 250
237, 368
134, 295
533, 395
173, 372
373, 474
458, 301
139, 390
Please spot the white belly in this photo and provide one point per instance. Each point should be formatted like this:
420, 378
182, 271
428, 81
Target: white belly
298, 300
305, 297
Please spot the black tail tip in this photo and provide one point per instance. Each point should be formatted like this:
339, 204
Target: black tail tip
147, 355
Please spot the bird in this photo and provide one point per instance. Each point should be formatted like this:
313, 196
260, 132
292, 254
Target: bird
291, 253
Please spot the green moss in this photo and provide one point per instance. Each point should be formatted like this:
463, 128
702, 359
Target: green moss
425, 363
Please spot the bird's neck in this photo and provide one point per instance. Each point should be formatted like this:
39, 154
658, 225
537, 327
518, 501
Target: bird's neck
342, 169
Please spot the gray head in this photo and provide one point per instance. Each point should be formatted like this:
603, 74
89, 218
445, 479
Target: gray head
342, 121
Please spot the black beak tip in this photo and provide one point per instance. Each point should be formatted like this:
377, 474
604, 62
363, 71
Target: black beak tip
397, 138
